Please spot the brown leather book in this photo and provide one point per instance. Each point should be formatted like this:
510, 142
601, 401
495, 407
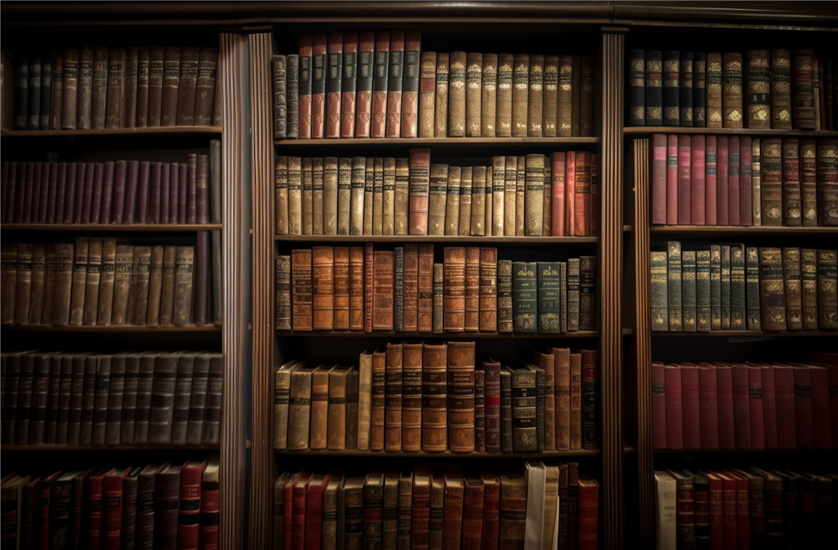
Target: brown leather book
488, 307
202, 195
143, 73
393, 397
772, 182
344, 196
520, 94
341, 288
337, 414
534, 195
155, 286
575, 401
441, 104
437, 198
378, 400
99, 89
803, 94
732, 111
488, 94
427, 93
809, 287
827, 294
352, 391
772, 293
564, 124
478, 202
357, 196
457, 95
299, 411
378, 124
576, 105
363, 98
378, 195
521, 193
472, 289
546, 361
167, 286
70, 88
791, 182
328, 218
395, 85
438, 299
808, 182
827, 168
561, 361
758, 82
171, 82
37, 290
411, 288
461, 396
282, 400
535, 100
523, 392
187, 84
437, 504
364, 401
410, 88
94, 274
419, 184
85, 88
550, 106
474, 91
281, 194
137, 313
452, 522
388, 197
307, 209
205, 86
510, 180
116, 88
452, 201
426, 302
49, 283
123, 269
132, 60
401, 202
586, 115
57, 99
792, 283
466, 182
454, 289
503, 126
323, 287
161, 412
780, 94
513, 507
383, 290
182, 310
497, 220
17, 267
434, 397
79, 280
156, 68
319, 407
369, 279
217, 107
411, 425
356, 288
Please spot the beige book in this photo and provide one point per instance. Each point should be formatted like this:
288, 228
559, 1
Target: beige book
282, 400
550, 105
489, 201
452, 205
364, 400
388, 201
402, 194
478, 201
464, 226
295, 196
535, 99
299, 409
503, 127
441, 107
510, 195
369, 201
520, 94
317, 181
498, 196
281, 194
427, 98
330, 196
378, 196
357, 196
534, 195
457, 95
437, 199
344, 194
489, 95
520, 195
308, 196
474, 89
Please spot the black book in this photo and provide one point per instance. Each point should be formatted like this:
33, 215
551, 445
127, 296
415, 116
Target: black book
33, 120
637, 87
671, 75
46, 90
686, 88
21, 90
654, 90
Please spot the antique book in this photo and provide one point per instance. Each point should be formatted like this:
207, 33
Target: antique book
791, 182
79, 279
473, 92
341, 296
182, 310
524, 432
827, 167
478, 202
364, 401
452, 204
351, 428
205, 85
334, 78
809, 288
393, 397
437, 198
520, 195
793, 288
732, 110
410, 84
454, 289
452, 521
587, 292
827, 283
379, 85
388, 197
427, 93
457, 94
344, 195
808, 182
441, 93
401, 197
461, 396
588, 521
464, 222
378, 401
373, 509
700, 90
348, 85
319, 70
488, 96
772, 182
395, 84
513, 506
781, 90
504, 293
171, 81
390, 507
189, 505
472, 289
803, 95
438, 297
301, 286
524, 296
363, 99
319, 407
772, 293
575, 400
282, 400
166, 504
758, 92
299, 410
411, 426
488, 290
197, 398
383, 290
434, 397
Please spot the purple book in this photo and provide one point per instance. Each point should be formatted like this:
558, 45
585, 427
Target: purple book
142, 192
4, 188
61, 192
174, 188
43, 203
29, 184
96, 203
165, 174
52, 191
35, 212
202, 197
131, 189
78, 199
87, 204
9, 197
107, 193
183, 193
192, 188
20, 192
156, 173
120, 177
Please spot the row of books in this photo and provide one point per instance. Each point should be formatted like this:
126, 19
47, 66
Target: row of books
734, 287
94, 87
115, 192
99, 282
710, 406
740, 180
528, 195
539, 507
746, 507
403, 290
438, 397
381, 84
154, 398
163, 506
777, 89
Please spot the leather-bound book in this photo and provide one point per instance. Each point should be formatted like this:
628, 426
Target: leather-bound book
827, 282
745, 182
425, 305
524, 430
390, 508
115, 396
64, 283
356, 288
206, 83
378, 401
405, 510
395, 64
129, 397
520, 94
827, 168
383, 290
326, 201
473, 94
524, 296
772, 293
79, 280
145, 522
307, 201
685, 99
506, 445
95, 509
112, 506
808, 182
457, 94
520, 194
452, 522
189, 515
741, 406
352, 407
504, 293
513, 506
137, 290
809, 288
421, 509
330, 509
283, 292
319, 407
654, 87
360, 91
411, 426
434, 398
791, 183
166, 493
341, 296
671, 84
548, 296
381, 62
299, 412
161, 392
772, 182
142, 88
684, 180
637, 87
167, 286
479, 208
803, 95
488, 94
570, 194
171, 81
427, 93
334, 77
364, 401
733, 113
182, 310
156, 75
658, 285
70, 87
437, 198
401, 199
737, 287
182, 396
356, 197
116, 79
202, 191
279, 508
305, 58
393, 397
700, 87
282, 399
38, 392
349, 84
452, 204
575, 401
534, 194
100, 399
586, 101
94, 271
85, 87
454, 289
438, 297
22, 280
281, 194
419, 190
472, 289
793, 288
588, 519
503, 95
9, 281
212, 418
758, 92
351, 521
488, 289
99, 88
373, 509
780, 90
461, 396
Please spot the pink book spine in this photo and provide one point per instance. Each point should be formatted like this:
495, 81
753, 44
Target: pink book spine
722, 180
710, 191
570, 193
690, 408
557, 219
684, 173
658, 405
674, 411
745, 181
757, 410
708, 408
672, 179
98, 185
769, 408
596, 197
697, 191
318, 100
733, 181
820, 408
786, 421
659, 179
724, 384
54, 170
582, 226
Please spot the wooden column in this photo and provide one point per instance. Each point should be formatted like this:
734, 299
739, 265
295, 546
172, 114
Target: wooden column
262, 158
611, 281
236, 289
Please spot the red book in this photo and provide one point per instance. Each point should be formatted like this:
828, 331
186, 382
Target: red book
674, 415
452, 515
710, 182
368, 281
684, 180
347, 97
722, 179
803, 410
786, 422
821, 412
305, 98
410, 85
379, 94
769, 407
421, 511
319, 76
420, 165
189, 517
658, 405
743, 510
588, 519
298, 517
724, 387
708, 407
314, 510
717, 517
596, 197
582, 223
659, 179
729, 510
570, 194
491, 509
94, 516
288, 519
672, 179
363, 99
733, 180
741, 406
43, 510
745, 213
757, 413
394, 85
697, 184
557, 221
112, 507
690, 406
334, 75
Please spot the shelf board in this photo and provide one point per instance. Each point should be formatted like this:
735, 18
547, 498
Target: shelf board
714, 231
752, 333
532, 241
732, 451
108, 329
464, 142
64, 447
112, 228
181, 131
648, 130
443, 454
449, 335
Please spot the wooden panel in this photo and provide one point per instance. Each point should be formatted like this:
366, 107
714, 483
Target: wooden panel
261, 458
611, 282
236, 287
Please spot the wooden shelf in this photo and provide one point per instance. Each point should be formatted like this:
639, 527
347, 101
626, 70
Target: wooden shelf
112, 228
648, 130
736, 451
448, 142
182, 131
396, 239
425, 335
715, 231
122, 329
64, 447
116, 138
753, 333
443, 454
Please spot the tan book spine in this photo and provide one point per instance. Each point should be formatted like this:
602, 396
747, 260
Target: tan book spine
534, 195
330, 197
561, 361
49, 284
439, 299
732, 111
63, 268
437, 199
369, 200
452, 202
434, 398
809, 287
299, 409
94, 275
498, 196
756, 182
356, 288
323, 287
341, 288
510, 195
535, 100
38, 290
441, 105
155, 286
138, 297
489, 95
388, 199
70, 89
827, 293
85, 88
283, 292
187, 86
308, 196
402, 195
167, 292
565, 96
427, 289
123, 268
454, 289
792, 282
79, 280
780, 72
808, 182
474, 87
317, 187
99, 88
457, 95
319, 407
547, 229
713, 90
488, 289
472, 289
503, 127
464, 224
576, 105
575, 401
412, 397
364, 401
184, 262
356, 210
344, 198
295, 196
520, 195
378, 400
478, 202
520, 94
550, 108
106, 283
282, 400
393, 397
586, 115
378, 196
461, 396
427, 94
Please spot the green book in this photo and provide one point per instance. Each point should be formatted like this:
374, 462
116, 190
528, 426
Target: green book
737, 287
688, 290
657, 290
702, 290
549, 297
715, 287
673, 285
525, 296
725, 287
702, 507
752, 288
524, 409
573, 287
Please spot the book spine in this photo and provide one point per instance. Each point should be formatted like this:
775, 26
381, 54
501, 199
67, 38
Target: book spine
457, 85
380, 83
780, 90
349, 83
654, 88
671, 84
700, 87
334, 79
319, 73
772, 297
427, 93
685, 100
732, 111
637, 87
803, 95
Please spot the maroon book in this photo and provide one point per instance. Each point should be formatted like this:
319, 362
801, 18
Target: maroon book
724, 390
745, 198
333, 84
120, 179
182, 193
54, 399
156, 174
733, 181
757, 411
347, 96
171, 197
29, 191
64, 209
697, 191
659, 179
143, 192
803, 410
741, 406
4, 189
56, 214
96, 199
363, 98
769, 407
20, 193
395, 85
202, 192
132, 184
106, 214
710, 186
821, 413
81, 188
87, 199
314, 510
94, 516
674, 411
786, 421
833, 402
44, 493
192, 188
189, 516
112, 507
743, 509
722, 177
690, 406
708, 407
10, 194
43, 199
684, 176
658, 405
318, 98
379, 94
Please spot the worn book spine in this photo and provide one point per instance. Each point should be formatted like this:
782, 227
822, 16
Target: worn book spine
488, 94
457, 94
575, 401
388, 198
534, 195
380, 83
323, 291
524, 429
772, 182
479, 206
99, 89
472, 289
85, 88
461, 362
504, 293
653, 88
781, 89
506, 411
510, 209
348, 85
398, 291
427, 94
437, 198
318, 436
438, 297
772, 293
341, 288
205, 85
700, 90
334, 79
688, 290
156, 75
793, 288
116, 90
369, 279
79, 279
809, 288
411, 427
737, 287
525, 296
172, 56
791, 182
466, 181
674, 286
803, 94
281, 194
434, 397
548, 282
356, 197
732, 109
304, 94
395, 84
410, 84
488, 289
454, 289
383, 290
378, 403
319, 74
752, 310
827, 168
758, 92
685, 100
474, 89
393, 397
401, 201
808, 182
94, 272
827, 295
671, 85
344, 196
